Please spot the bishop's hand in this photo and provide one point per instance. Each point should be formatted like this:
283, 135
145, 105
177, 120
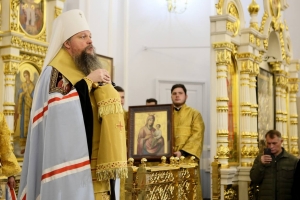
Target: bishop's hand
100, 76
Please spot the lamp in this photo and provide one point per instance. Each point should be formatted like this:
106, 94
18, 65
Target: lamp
177, 6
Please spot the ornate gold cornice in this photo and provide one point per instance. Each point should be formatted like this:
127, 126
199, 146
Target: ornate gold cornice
28, 46
38, 60
246, 56
11, 57
223, 45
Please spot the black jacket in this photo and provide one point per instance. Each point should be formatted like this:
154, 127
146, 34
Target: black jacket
296, 183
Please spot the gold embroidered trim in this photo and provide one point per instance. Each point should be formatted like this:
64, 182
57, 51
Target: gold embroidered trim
112, 171
110, 106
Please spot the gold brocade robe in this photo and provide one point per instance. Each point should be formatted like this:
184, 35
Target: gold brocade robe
65, 65
188, 134
188, 131
8, 162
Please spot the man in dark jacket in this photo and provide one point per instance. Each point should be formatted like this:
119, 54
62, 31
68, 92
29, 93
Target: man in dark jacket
274, 172
296, 184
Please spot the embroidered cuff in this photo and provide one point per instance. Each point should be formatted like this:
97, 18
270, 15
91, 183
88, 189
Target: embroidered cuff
89, 82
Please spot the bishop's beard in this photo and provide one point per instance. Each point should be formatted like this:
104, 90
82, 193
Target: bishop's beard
87, 62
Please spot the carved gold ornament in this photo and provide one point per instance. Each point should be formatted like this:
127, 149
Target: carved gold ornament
219, 7
263, 22
233, 26
275, 7
223, 151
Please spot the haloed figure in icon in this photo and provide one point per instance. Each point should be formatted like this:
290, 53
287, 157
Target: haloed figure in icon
148, 143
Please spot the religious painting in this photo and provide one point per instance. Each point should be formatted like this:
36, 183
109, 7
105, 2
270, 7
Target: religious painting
107, 63
26, 78
31, 16
150, 133
266, 103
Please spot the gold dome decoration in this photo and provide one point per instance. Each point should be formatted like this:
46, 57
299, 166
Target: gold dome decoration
253, 8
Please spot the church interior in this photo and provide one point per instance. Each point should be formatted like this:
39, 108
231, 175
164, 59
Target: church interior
239, 60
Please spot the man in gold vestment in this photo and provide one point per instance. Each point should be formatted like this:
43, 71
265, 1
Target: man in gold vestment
188, 127
77, 138
8, 162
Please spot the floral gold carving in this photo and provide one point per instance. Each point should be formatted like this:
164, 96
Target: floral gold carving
223, 151
16, 41
14, 15
294, 88
258, 42
219, 7
252, 39
263, 22
162, 176
266, 44
57, 12
11, 67
216, 178
233, 26
231, 192
223, 57
245, 152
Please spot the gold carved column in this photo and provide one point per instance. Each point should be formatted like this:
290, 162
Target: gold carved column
246, 67
254, 109
293, 132
223, 59
281, 100
11, 65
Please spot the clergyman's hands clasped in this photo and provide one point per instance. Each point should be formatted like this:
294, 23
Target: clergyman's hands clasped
266, 159
99, 76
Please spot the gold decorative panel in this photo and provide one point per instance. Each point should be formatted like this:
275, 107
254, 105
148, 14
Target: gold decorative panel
233, 26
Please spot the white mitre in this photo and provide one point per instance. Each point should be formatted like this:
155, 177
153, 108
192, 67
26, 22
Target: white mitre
64, 26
